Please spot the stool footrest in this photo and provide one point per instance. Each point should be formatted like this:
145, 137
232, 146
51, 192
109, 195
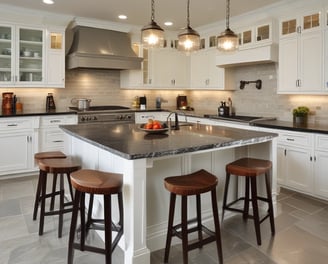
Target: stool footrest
90, 248
56, 212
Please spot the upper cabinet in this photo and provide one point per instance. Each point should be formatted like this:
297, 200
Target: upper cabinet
29, 57
301, 54
204, 72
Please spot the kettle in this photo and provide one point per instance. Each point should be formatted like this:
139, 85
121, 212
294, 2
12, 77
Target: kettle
81, 103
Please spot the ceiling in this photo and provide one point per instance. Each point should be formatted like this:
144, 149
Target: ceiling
139, 11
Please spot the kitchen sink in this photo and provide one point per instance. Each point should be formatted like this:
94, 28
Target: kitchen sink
237, 118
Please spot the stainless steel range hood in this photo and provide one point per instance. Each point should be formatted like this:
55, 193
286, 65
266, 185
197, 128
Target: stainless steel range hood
101, 49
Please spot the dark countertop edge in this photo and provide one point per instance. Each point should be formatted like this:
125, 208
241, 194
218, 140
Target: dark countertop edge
285, 125
236, 143
36, 113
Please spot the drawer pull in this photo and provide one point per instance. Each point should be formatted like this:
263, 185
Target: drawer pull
57, 141
290, 139
12, 125
55, 121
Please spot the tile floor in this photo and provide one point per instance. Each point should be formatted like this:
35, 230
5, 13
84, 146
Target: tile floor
301, 234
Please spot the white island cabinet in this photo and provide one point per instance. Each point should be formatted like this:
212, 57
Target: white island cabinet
145, 160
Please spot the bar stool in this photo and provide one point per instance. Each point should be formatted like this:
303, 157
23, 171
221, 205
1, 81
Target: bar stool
61, 167
192, 184
37, 157
101, 183
251, 168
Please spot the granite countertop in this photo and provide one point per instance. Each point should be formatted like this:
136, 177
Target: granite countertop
286, 125
37, 112
129, 142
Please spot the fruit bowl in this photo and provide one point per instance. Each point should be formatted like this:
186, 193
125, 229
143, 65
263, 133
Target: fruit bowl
162, 130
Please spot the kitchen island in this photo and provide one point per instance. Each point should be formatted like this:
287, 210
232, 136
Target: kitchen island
146, 159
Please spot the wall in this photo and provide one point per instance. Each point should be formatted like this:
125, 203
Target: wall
102, 87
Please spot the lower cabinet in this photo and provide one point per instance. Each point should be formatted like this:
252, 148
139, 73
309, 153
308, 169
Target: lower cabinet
18, 141
52, 138
303, 162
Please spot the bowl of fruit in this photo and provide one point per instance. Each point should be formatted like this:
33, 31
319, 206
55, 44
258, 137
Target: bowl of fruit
154, 127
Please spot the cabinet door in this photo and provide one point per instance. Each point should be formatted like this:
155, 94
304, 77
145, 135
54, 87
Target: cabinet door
6, 54
320, 172
16, 154
55, 59
299, 169
281, 164
326, 58
311, 64
30, 56
288, 65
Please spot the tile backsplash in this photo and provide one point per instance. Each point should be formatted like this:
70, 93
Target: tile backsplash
103, 88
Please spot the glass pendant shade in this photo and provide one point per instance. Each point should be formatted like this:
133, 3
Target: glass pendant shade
152, 35
188, 40
228, 41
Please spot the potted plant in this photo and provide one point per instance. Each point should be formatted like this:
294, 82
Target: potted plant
300, 114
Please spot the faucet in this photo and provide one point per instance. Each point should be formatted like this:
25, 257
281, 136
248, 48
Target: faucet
176, 120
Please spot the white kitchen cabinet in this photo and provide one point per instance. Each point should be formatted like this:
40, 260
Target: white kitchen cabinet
326, 57
301, 54
320, 165
295, 161
169, 68
51, 137
31, 56
204, 73
164, 68
18, 141
55, 66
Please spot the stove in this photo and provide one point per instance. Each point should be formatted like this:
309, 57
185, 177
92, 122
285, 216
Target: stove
105, 113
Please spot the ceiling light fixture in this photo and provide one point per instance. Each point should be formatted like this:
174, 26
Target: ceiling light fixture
188, 39
228, 40
123, 17
48, 2
152, 35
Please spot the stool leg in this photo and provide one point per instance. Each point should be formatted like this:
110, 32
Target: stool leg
108, 228
269, 195
83, 225
89, 219
255, 211
43, 201
246, 202
184, 228
217, 226
120, 223
225, 195
199, 220
61, 205
70, 185
37, 196
54, 183
70, 254
169, 227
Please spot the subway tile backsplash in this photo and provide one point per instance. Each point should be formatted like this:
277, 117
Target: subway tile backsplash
103, 88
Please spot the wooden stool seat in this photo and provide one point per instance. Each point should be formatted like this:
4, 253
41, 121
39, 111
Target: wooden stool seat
56, 166
250, 169
101, 183
192, 184
37, 157
49, 155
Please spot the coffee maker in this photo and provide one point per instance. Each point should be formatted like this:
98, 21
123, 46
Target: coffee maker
182, 103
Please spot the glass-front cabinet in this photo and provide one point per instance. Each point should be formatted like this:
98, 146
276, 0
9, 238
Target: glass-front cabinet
21, 56
6, 54
31, 51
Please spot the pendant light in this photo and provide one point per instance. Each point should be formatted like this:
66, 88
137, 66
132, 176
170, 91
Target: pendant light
228, 40
152, 35
188, 39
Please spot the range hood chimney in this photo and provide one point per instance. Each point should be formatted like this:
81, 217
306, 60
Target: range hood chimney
100, 49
